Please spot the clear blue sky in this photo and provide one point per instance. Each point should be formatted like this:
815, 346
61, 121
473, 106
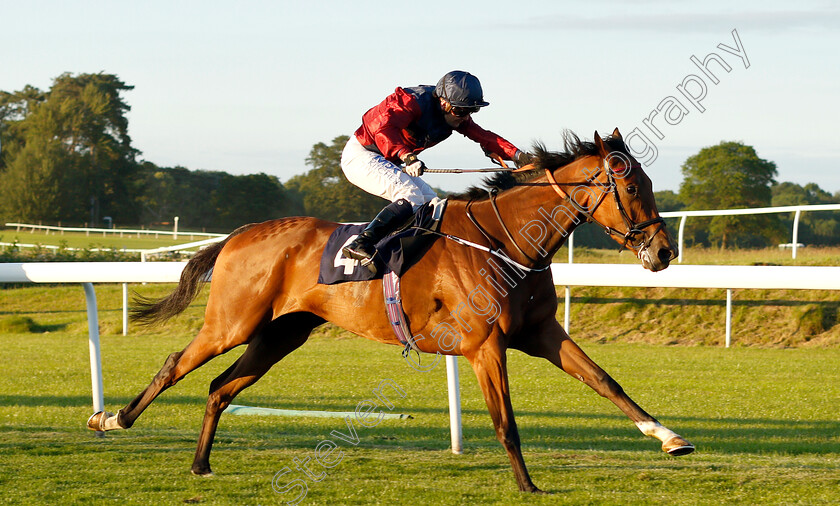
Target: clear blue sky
250, 86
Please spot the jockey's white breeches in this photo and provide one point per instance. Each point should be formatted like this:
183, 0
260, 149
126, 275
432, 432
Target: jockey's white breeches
374, 174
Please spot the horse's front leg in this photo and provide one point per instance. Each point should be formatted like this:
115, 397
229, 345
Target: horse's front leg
490, 366
553, 343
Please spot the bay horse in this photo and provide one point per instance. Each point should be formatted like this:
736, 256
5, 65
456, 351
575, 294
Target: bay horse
264, 291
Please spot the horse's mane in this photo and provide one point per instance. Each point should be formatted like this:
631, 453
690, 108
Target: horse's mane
573, 148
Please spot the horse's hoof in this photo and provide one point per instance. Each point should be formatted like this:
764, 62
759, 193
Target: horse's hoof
531, 489
204, 474
97, 420
677, 446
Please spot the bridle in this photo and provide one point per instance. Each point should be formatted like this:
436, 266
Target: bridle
633, 229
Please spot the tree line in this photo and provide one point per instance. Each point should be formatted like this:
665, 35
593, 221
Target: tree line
66, 156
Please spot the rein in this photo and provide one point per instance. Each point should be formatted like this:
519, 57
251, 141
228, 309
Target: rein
493, 193
493, 251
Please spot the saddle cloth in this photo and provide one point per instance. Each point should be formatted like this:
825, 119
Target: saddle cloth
395, 253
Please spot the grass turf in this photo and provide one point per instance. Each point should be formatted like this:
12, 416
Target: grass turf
764, 421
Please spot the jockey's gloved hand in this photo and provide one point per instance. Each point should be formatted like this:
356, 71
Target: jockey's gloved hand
521, 159
413, 166
497, 159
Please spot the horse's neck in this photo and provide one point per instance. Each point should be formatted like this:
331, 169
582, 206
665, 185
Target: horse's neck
533, 213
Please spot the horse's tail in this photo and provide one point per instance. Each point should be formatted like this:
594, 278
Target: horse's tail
195, 274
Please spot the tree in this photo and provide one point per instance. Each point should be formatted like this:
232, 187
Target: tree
94, 128
31, 184
249, 199
326, 193
820, 227
210, 200
667, 200
78, 134
158, 193
730, 176
792, 194
14, 107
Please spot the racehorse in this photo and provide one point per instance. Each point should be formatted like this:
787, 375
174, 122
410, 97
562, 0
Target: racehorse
264, 291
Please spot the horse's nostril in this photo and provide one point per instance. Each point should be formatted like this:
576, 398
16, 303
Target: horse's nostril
664, 255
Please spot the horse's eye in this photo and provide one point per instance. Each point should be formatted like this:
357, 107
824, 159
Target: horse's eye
633, 190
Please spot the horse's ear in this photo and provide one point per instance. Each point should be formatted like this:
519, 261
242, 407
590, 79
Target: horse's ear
602, 148
616, 134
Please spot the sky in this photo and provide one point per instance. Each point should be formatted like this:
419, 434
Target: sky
251, 86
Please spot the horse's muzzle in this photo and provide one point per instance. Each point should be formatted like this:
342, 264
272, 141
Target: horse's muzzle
659, 260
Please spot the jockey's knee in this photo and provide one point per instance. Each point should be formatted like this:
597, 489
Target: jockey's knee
417, 200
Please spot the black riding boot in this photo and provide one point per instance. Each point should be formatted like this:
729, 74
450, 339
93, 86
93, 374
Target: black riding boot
389, 219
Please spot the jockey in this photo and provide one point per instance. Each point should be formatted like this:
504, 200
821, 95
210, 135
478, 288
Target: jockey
394, 132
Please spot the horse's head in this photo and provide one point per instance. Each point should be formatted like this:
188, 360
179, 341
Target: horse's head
616, 194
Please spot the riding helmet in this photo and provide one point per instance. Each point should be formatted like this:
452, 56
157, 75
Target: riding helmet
461, 89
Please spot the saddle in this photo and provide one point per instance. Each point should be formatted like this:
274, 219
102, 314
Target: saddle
395, 253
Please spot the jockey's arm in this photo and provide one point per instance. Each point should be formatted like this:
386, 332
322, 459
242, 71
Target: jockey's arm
489, 141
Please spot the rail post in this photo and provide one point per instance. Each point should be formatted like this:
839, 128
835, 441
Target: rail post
454, 387
95, 352
680, 237
795, 231
728, 317
125, 308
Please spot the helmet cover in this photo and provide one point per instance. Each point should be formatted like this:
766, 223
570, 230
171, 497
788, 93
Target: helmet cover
461, 89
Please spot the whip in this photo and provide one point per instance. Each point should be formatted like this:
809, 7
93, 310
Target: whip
465, 171
503, 167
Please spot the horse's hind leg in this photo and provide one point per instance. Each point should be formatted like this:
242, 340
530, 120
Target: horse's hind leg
555, 345
208, 344
273, 342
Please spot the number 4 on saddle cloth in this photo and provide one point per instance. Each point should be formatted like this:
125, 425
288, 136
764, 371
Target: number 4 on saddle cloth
395, 253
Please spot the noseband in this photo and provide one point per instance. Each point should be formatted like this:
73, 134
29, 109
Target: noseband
633, 229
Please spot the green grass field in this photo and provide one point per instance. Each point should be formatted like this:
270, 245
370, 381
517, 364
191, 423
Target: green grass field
765, 422
81, 240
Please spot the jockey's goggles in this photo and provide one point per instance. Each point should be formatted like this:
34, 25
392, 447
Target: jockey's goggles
462, 112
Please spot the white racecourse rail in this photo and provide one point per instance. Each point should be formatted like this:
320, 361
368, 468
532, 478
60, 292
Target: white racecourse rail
676, 276
796, 210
